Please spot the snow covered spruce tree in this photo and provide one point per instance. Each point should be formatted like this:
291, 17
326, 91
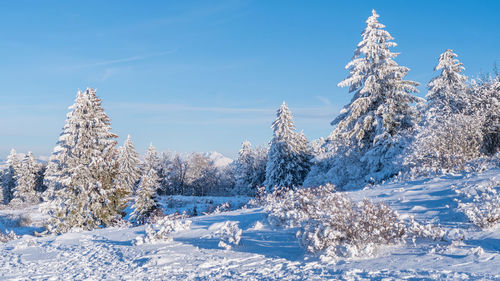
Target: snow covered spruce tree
10, 176
486, 100
57, 167
129, 171
447, 92
289, 153
151, 159
244, 168
145, 203
146, 197
250, 169
26, 188
450, 133
83, 170
369, 133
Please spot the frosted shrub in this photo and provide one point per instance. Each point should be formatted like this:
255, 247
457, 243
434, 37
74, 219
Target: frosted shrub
230, 235
332, 225
445, 145
7, 236
260, 198
225, 207
484, 209
349, 229
162, 230
289, 208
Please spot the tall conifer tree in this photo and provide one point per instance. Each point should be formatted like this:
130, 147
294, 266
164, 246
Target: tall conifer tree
85, 169
10, 176
289, 153
370, 130
129, 167
25, 190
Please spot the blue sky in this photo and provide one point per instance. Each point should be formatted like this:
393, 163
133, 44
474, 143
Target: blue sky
205, 75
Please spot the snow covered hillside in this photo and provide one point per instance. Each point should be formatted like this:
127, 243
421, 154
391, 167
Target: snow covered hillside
219, 160
264, 252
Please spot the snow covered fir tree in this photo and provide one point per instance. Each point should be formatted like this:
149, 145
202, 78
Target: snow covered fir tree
289, 153
250, 169
370, 131
145, 204
84, 169
10, 176
450, 131
27, 188
447, 92
129, 171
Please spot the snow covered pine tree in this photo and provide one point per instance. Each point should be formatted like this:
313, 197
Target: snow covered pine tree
151, 160
289, 153
450, 132
146, 198
486, 96
145, 203
447, 92
83, 170
10, 176
370, 130
244, 168
250, 169
129, 171
25, 191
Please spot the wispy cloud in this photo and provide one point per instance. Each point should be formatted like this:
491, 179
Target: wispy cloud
126, 59
324, 100
256, 114
179, 107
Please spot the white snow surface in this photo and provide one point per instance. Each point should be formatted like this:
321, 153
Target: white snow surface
264, 252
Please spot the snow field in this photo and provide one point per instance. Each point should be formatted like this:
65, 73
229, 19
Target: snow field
266, 252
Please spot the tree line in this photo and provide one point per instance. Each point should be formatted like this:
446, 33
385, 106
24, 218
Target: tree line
385, 131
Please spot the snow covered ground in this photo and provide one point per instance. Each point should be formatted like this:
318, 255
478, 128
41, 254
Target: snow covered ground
265, 253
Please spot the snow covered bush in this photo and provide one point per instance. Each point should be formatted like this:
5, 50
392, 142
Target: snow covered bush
217, 209
486, 100
484, 209
230, 235
259, 200
162, 230
7, 236
445, 145
333, 225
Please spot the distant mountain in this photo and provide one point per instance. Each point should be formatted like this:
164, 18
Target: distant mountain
219, 160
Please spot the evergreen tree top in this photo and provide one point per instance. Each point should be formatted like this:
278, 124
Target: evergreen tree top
373, 62
151, 160
380, 104
283, 126
245, 148
151, 152
12, 158
450, 78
